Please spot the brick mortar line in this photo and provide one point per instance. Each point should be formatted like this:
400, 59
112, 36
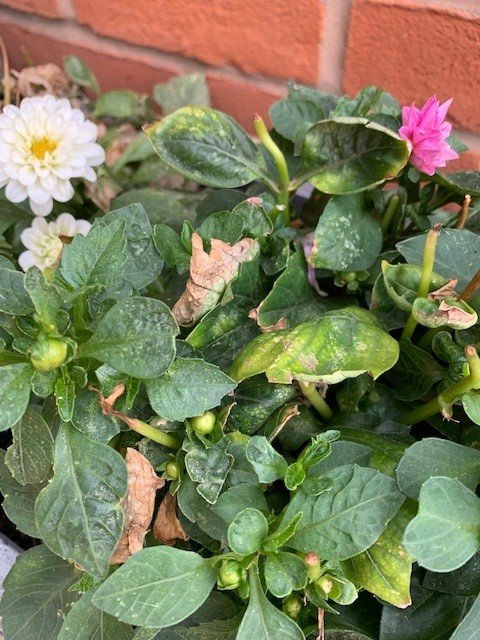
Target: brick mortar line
334, 44
68, 29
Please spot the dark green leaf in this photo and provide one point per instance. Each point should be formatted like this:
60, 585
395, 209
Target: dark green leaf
14, 299
446, 532
415, 372
79, 513
45, 297
269, 465
247, 531
284, 573
157, 587
89, 418
208, 467
207, 146
37, 596
80, 72
189, 388
136, 336
14, 393
469, 628
30, 456
464, 581
343, 522
461, 182
435, 457
65, 396
347, 237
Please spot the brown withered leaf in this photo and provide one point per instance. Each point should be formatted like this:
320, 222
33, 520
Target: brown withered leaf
454, 315
280, 324
210, 273
167, 528
447, 291
126, 133
138, 505
102, 192
44, 78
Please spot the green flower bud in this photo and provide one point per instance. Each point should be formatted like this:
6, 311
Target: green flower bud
172, 470
292, 606
348, 276
323, 586
230, 575
203, 424
48, 353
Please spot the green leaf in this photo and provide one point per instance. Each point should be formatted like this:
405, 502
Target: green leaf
269, 465
348, 155
347, 520
293, 117
89, 418
222, 225
14, 299
30, 456
282, 535
37, 595
209, 467
183, 91
157, 587
45, 296
471, 406
292, 297
189, 388
171, 248
138, 149
384, 569
237, 498
97, 258
262, 619
456, 255
415, 372
435, 457
65, 396
119, 104
402, 281
294, 475
247, 531
79, 514
136, 336
14, 393
464, 581
446, 531
142, 265
338, 345
18, 500
208, 147
469, 628
461, 182
161, 205
284, 573
80, 72
431, 616
85, 622
347, 236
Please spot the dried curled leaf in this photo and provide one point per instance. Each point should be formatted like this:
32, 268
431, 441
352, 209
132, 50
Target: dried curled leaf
138, 505
449, 312
210, 273
126, 133
45, 78
447, 291
167, 528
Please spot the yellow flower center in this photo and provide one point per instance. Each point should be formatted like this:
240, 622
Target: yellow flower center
41, 146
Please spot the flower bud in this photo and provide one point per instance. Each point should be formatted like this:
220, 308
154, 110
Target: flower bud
172, 470
292, 606
230, 575
48, 353
203, 424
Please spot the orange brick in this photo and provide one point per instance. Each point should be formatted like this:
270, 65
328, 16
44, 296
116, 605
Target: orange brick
47, 8
242, 99
415, 48
276, 38
113, 72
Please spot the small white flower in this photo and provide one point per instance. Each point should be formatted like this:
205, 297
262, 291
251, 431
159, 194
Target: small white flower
45, 240
44, 143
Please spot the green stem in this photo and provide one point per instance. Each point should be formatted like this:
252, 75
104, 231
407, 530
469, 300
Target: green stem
427, 270
310, 392
280, 162
450, 395
425, 341
153, 433
389, 213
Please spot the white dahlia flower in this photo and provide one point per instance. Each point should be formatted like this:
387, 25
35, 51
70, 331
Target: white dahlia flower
44, 240
44, 143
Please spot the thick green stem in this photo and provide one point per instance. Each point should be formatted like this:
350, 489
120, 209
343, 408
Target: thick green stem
280, 162
427, 270
389, 213
310, 392
153, 433
450, 395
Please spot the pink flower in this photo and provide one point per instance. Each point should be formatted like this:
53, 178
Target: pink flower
426, 132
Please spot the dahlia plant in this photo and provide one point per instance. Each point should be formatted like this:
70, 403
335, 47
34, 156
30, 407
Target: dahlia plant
254, 415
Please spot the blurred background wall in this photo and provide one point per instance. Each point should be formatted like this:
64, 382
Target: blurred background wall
250, 48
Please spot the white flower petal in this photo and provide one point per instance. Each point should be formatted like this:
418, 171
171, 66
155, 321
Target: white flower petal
15, 192
26, 260
66, 225
41, 209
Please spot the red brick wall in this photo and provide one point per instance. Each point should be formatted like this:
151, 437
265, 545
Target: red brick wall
249, 48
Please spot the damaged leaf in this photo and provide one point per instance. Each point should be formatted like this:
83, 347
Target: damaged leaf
167, 528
